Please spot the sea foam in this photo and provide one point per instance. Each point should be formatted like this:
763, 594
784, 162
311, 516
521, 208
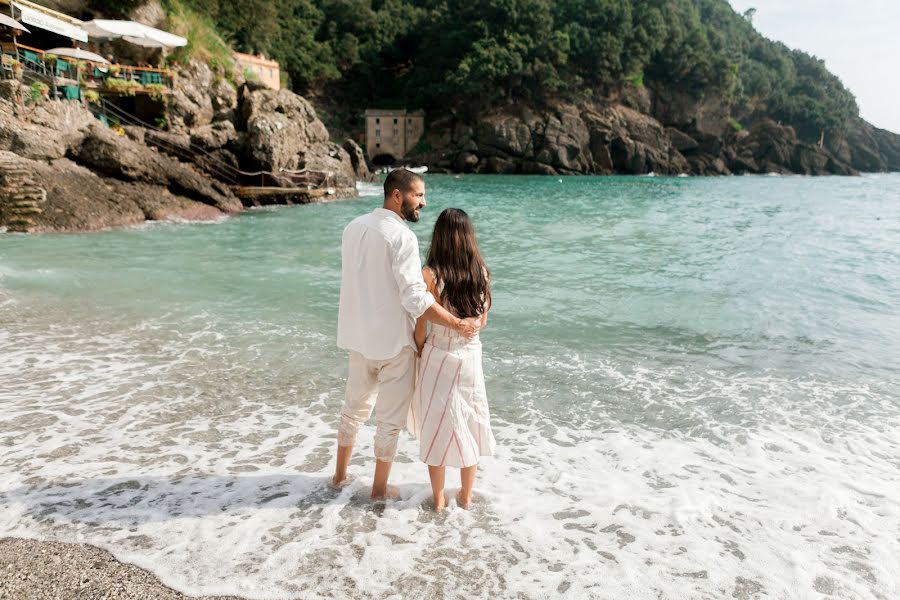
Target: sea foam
169, 448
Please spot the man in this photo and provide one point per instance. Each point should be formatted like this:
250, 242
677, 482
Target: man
382, 295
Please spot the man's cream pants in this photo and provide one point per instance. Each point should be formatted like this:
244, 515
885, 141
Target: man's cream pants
386, 385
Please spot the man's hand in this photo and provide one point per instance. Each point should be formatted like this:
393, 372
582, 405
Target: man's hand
468, 328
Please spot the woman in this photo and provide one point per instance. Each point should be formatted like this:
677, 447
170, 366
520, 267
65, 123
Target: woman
449, 412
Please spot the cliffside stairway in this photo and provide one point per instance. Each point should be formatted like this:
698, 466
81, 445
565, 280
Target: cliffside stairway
21, 198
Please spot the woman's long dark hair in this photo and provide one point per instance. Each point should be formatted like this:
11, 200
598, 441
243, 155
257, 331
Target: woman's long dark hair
455, 261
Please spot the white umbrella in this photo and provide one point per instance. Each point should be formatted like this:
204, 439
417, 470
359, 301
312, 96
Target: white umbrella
10, 22
79, 54
142, 41
136, 33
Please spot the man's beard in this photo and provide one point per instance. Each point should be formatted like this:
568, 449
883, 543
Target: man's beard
409, 213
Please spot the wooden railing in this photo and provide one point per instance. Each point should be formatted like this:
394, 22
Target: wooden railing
114, 78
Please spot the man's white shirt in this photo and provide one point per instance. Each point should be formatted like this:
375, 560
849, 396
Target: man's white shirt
382, 290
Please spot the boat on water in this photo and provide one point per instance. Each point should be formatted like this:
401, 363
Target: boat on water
419, 170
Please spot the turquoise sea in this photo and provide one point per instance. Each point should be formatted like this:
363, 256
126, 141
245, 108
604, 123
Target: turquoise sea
694, 384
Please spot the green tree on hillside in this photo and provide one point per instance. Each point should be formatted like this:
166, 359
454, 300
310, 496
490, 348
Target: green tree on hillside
456, 54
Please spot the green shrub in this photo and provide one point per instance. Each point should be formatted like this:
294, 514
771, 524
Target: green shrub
39, 90
157, 91
122, 86
637, 79
204, 43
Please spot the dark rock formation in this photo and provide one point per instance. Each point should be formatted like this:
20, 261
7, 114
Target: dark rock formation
681, 135
358, 160
595, 138
867, 148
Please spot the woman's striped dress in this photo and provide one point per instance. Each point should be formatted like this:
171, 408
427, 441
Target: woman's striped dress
449, 410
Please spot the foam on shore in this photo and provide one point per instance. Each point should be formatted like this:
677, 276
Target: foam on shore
173, 448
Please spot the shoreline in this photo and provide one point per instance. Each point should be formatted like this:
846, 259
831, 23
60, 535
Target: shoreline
34, 569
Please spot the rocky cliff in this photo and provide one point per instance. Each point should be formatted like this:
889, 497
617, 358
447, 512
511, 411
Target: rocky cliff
62, 170
647, 130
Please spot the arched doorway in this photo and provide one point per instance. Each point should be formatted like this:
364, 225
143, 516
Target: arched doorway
383, 160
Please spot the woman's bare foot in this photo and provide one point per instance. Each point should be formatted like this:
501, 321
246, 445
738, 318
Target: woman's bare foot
464, 503
389, 493
440, 503
336, 485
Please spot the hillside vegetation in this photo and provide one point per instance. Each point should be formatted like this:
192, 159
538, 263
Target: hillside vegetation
441, 54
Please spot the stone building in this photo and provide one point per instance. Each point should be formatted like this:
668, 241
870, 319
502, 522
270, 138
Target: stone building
391, 134
267, 71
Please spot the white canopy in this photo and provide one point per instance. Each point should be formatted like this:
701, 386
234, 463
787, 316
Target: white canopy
10, 22
136, 33
42, 20
79, 54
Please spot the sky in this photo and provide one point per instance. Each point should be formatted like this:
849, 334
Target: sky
859, 40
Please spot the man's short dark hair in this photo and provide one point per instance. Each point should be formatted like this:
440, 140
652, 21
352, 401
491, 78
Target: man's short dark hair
399, 179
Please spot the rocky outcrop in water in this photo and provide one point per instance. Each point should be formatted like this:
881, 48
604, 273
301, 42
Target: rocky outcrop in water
358, 160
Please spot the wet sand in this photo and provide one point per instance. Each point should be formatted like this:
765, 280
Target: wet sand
34, 570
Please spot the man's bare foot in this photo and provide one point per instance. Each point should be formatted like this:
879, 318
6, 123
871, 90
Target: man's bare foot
464, 503
440, 503
389, 493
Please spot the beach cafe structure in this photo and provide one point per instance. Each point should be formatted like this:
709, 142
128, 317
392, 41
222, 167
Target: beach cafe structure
60, 55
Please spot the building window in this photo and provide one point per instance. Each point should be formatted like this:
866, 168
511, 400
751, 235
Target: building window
378, 120
378, 134
409, 121
396, 132
395, 121
378, 145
